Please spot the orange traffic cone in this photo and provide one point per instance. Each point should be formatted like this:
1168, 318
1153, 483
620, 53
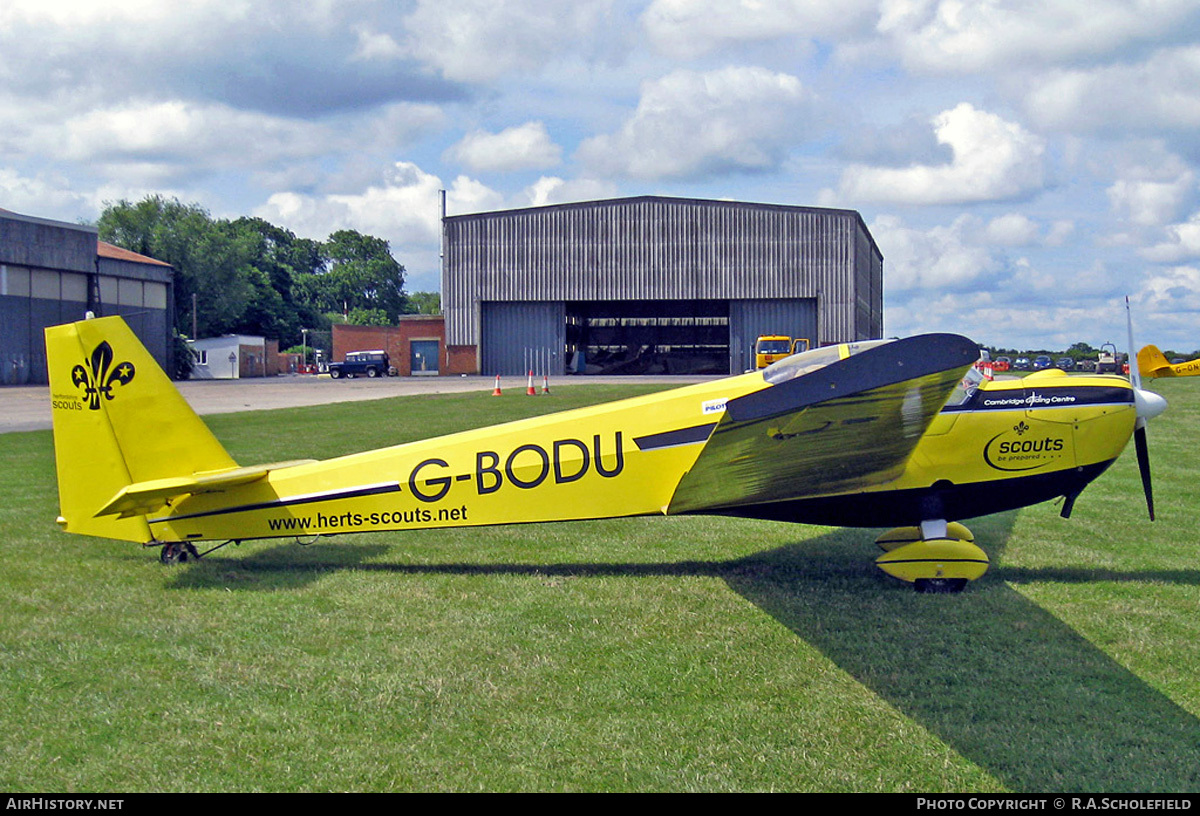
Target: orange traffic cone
545, 384
530, 390
497, 393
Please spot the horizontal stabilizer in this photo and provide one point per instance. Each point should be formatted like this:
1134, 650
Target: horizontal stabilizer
142, 498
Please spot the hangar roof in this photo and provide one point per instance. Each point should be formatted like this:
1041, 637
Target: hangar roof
116, 253
699, 202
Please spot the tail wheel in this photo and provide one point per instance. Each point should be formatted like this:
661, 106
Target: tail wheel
178, 552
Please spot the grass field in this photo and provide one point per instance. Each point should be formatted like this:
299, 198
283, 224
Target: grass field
665, 654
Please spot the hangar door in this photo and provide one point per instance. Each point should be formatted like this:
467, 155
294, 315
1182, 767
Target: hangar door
648, 336
750, 318
519, 336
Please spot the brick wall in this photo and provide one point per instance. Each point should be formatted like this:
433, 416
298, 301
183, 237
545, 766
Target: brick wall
397, 342
462, 360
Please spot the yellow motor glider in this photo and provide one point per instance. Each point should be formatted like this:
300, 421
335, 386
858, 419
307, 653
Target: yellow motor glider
871, 434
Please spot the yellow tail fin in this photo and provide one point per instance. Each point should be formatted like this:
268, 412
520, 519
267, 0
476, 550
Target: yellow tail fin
1153, 363
118, 420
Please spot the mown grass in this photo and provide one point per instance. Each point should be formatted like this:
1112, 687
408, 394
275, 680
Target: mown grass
639, 654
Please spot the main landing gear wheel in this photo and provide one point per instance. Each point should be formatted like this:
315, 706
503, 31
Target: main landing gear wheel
178, 552
941, 563
939, 586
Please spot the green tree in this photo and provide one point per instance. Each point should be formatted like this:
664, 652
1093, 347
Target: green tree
252, 277
209, 260
278, 308
368, 317
359, 273
429, 303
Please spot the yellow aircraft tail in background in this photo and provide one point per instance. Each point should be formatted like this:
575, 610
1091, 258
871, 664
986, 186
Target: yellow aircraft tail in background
1153, 363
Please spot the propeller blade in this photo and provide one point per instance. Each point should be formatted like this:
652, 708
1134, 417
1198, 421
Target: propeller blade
1143, 458
1135, 376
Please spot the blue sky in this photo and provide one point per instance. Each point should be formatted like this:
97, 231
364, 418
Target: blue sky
1022, 165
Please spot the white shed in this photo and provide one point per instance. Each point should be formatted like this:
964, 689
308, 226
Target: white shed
229, 357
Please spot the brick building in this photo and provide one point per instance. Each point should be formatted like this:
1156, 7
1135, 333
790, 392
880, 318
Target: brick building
416, 347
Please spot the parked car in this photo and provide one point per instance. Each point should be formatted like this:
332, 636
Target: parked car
1042, 362
360, 363
1021, 364
1065, 363
1001, 364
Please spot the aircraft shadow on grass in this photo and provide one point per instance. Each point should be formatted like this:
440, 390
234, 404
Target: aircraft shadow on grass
999, 679
995, 676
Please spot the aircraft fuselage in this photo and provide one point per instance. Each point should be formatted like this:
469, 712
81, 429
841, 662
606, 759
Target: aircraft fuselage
1014, 443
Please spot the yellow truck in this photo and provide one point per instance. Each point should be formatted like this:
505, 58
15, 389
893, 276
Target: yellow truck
771, 347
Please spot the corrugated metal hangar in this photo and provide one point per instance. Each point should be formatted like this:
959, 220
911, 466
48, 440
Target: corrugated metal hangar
53, 272
653, 284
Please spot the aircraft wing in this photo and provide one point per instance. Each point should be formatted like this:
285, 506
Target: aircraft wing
840, 428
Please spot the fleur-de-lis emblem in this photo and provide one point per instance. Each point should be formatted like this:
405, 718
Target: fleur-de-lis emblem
97, 380
1020, 427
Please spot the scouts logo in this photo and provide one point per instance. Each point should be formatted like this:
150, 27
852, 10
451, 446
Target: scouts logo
98, 377
1013, 451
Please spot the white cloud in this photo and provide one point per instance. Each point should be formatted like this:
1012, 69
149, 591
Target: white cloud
404, 209
1182, 242
67, 30
1011, 316
1173, 291
373, 45
993, 160
155, 143
936, 259
1161, 93
967, 259
44, 195
553, 190
468, 195
1167, 308
953, 36
1059, 232
1013, 230
481, 40
177, 129
689, 125
1148, 202
685, 29
83, 14
523, 147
